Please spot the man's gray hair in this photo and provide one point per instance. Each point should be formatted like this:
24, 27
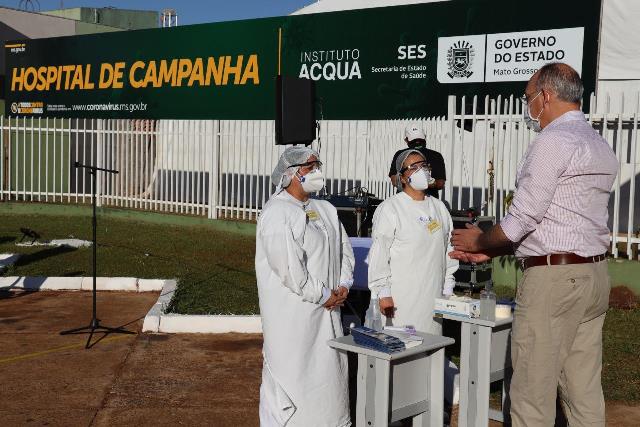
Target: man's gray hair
562, 80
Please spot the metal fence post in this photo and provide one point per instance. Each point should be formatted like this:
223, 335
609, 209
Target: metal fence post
214, 170
632, 185
451, 113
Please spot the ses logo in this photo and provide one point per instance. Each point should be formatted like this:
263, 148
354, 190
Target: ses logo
457, 59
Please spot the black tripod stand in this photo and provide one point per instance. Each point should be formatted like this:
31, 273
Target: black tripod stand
95, 325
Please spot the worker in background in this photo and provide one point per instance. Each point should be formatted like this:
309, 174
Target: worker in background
304, 269
408, 262
415, 139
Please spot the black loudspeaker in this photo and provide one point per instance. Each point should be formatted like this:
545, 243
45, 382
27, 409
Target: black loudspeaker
295, 110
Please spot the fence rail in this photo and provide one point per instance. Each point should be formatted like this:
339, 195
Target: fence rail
221, 169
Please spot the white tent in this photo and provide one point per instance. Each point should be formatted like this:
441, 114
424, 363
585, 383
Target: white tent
619, 62
334, 5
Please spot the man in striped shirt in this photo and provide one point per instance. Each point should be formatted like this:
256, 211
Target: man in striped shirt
557, 227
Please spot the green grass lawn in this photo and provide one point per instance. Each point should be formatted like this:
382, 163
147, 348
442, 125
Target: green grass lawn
214, 268
621, 355
214, 264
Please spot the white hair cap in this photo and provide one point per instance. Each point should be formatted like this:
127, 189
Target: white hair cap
283, 172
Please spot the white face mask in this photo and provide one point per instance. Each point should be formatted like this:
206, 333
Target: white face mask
533, 124
312, 182
420, 179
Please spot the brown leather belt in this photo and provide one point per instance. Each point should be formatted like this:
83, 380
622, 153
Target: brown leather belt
560, 259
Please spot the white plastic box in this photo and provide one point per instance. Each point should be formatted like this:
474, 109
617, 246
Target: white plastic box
458, 306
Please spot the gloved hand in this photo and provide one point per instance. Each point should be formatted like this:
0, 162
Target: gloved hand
447, 290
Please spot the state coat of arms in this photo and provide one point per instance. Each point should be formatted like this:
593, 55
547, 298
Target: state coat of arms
460, 59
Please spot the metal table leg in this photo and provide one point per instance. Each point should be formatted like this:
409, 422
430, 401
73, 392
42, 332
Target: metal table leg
372, 407
475, 365
435, 398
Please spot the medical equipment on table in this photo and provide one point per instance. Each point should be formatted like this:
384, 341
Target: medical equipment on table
458, 306
376, 340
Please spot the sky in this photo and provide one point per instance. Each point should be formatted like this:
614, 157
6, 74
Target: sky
189, 11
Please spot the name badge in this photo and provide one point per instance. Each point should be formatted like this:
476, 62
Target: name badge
433, 226
313, 215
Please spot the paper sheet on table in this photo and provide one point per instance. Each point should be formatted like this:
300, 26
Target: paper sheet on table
408, 339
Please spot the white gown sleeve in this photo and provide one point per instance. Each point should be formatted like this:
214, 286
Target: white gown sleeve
384, 229
348, 260
287, 259
452, 264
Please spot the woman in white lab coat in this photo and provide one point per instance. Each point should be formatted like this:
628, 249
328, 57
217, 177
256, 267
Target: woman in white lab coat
304, 267
409, 264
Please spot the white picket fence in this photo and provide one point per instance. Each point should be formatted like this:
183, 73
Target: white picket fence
485, 140
221, 169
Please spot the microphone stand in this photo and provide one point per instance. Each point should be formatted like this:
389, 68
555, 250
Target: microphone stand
94, 325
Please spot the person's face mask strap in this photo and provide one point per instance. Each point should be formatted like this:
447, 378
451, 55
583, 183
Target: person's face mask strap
531, 122
537, 119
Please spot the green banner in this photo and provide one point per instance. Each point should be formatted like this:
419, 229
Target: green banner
382, 63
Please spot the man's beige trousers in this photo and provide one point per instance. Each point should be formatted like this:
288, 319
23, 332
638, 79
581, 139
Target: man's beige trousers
557, 344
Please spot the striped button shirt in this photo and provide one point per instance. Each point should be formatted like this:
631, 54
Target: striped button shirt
563, 185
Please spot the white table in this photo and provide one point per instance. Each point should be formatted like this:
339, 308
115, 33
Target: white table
393, 387
484, 358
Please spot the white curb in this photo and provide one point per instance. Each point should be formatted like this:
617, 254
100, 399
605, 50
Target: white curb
209, 324
38, 283
151, 285
152, 319
110, 284
159, 321
156, 319
35, 283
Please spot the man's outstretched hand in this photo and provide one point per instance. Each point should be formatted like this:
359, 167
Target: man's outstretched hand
469, 257
467, 239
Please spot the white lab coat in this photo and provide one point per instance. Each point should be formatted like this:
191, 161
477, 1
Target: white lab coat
298, 253
410, 262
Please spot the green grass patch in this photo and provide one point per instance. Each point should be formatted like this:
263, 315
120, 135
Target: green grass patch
214, 265
621, 356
